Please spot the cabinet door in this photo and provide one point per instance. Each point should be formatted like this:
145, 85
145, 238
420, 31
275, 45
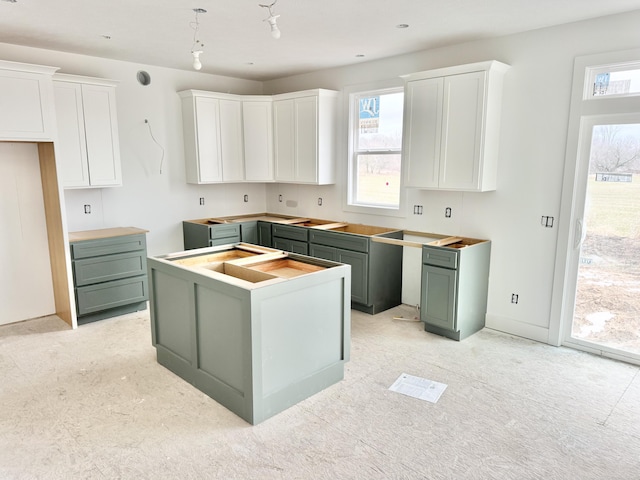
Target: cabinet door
299, 247
257, 117
25, 113
462, 131
264, 234
71, 148
284, 129
359, 274
231, 142
101, 129
249, 232
306, 139
207, 133
438, 297
320, 251
423, 118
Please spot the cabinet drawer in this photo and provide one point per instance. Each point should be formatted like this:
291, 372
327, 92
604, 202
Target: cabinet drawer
291, 232
225, 231
103, 296
357, 243
108, 246
109, 267
439, 256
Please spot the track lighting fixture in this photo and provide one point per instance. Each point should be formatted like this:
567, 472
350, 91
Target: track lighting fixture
275, 31
196, 48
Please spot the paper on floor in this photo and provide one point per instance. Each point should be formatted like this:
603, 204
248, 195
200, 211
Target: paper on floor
418, 387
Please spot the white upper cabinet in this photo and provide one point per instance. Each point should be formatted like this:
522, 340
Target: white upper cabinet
257, 121
88, 146
452, 127
227, 138
26, 102
304, 130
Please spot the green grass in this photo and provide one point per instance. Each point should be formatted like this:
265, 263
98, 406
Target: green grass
613, 208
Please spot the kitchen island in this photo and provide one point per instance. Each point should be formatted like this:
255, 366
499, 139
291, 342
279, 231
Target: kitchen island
256, 329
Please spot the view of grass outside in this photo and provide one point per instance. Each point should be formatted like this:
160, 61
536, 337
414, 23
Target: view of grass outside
379, 179
608, 296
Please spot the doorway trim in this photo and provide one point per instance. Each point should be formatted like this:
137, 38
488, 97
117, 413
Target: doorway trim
569, 228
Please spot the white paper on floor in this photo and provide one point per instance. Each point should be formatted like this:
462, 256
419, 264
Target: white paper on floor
418, 387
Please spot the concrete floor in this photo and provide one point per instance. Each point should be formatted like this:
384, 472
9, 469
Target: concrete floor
92, 403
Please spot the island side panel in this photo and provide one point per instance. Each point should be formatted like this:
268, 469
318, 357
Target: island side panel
172, 318
223, 345
301, 338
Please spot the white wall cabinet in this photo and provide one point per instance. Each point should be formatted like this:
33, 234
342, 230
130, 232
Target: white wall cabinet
227, 138
26, 102
452, 127
88, 146
257, 124
304, 131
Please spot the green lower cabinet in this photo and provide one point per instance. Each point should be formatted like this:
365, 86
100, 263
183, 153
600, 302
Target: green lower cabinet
294, 246
376, 268
264, 234
359, 268
438, 297
249, 232
455, 285
110, 276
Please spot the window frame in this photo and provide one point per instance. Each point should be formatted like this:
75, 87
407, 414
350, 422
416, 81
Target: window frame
352, 93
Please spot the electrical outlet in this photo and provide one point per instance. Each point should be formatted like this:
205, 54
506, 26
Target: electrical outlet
320, 201
447, 212
246, 197
87, 209
201, 200
514, 298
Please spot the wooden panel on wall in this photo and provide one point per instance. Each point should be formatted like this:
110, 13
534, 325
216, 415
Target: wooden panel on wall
59, 255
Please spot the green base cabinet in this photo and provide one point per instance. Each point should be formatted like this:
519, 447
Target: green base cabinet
110, 276
255, 343
376, 268
204, 233
455, 283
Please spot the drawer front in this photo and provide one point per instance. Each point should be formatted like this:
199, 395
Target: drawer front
348, 241
87, 271
103, 296
108, 246
440, 256
225, 231
292, 233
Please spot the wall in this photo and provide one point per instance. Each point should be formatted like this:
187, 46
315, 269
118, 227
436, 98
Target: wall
150, 200
532, 151
535, 115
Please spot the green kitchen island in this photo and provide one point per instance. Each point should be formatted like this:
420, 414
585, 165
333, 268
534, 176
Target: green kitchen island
256, 329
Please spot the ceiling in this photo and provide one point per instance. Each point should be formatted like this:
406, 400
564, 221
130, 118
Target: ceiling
315, 34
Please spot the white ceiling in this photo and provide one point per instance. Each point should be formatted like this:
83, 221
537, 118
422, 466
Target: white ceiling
315, 34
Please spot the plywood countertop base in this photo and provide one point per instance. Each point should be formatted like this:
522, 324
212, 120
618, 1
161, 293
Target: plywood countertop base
104, 233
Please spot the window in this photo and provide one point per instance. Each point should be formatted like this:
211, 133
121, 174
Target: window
613, 80
376, 149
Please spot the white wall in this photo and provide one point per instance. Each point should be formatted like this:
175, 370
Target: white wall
535, 115
533, 141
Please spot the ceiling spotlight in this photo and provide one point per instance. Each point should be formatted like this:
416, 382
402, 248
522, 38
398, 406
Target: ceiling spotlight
10, 1
275, 31
402, 25
196, 48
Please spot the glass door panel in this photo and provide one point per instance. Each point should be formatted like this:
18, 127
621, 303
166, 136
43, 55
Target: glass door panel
607, 306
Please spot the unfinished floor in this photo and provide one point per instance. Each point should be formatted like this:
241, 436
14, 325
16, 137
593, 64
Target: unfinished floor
92, 403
